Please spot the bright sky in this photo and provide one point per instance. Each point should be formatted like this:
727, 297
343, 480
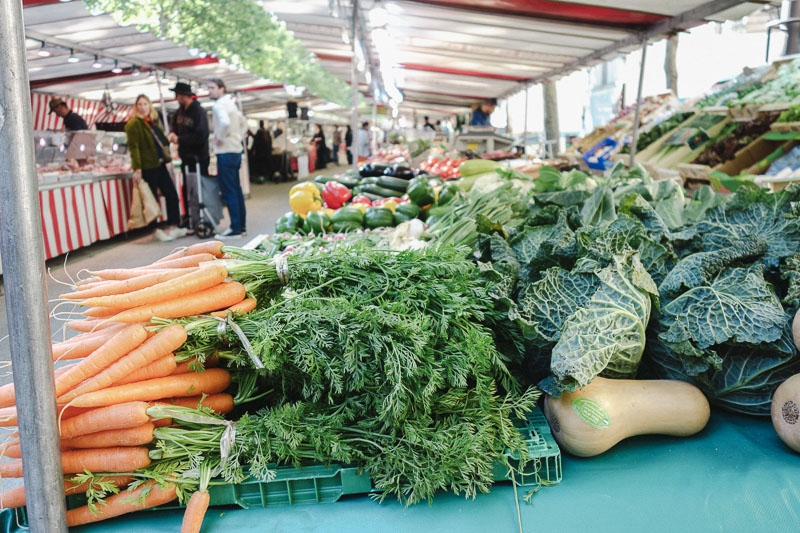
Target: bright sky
706, 54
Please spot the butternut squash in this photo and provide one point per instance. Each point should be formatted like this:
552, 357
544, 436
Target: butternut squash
593, 419
796, 330
786, 412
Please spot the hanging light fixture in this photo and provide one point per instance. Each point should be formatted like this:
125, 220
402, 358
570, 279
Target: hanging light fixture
97, 63
43, 51
72, 57
117, 69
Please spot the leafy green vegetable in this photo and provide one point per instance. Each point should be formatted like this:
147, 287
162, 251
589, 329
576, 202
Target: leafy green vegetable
607, 335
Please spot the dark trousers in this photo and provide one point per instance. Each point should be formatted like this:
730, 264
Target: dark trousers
349, 156
228, 172
159, 180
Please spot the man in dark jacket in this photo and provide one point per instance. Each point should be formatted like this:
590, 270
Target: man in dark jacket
72, 120
190, 132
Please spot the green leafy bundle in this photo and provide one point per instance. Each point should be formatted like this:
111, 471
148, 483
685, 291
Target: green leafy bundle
379, 359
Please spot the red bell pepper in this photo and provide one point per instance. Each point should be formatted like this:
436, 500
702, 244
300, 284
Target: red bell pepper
335, 194
359, 199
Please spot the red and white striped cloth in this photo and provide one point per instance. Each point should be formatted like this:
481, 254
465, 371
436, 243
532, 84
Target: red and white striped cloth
79, 215
90, 110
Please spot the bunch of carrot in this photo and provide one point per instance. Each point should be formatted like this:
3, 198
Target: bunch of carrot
106, 398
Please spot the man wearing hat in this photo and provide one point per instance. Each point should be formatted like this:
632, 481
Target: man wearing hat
190, 132
72, 120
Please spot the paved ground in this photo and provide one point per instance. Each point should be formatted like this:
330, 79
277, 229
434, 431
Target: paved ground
267, 202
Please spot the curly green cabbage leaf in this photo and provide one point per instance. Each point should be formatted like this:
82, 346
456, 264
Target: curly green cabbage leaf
606, 335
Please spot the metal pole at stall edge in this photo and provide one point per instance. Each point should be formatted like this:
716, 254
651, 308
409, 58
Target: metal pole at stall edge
24, 280
354, 87
525, 129
635, 135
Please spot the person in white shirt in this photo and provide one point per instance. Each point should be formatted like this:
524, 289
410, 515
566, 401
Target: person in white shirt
229, 129
364, 146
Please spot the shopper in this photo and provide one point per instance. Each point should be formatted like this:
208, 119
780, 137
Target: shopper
321, 147
364, 149
72, 120
189, 127
229, 130
149, 150
348, 143
482, 113
337, 142
261, 153
428, 125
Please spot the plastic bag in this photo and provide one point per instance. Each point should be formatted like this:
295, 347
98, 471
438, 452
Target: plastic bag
152, 209
144, 207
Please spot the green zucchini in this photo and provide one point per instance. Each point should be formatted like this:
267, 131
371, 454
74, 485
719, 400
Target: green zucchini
380, 191
395, 184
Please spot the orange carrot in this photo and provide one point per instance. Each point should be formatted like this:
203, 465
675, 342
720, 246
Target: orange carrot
162, 343
161, 422
217, 297
211, 381
119, 459
120, 416
211, 247
84, 344
109, 287
16, 497
7, 395
188, 366
220, 403
8, 415
195, 512
115, 348
135, 436
192, 282
100, 312
125, 502
187, 261
157, 369
243, 307
120, 274
92, 325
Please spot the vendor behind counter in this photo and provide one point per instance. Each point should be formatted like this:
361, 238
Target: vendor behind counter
482, 113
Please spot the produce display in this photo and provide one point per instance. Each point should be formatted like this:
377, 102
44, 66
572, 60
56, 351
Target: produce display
361, 335
648, 137
734, 137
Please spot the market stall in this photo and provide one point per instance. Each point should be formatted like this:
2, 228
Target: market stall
424, 331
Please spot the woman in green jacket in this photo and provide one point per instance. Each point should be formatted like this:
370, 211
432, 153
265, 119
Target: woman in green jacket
149, 150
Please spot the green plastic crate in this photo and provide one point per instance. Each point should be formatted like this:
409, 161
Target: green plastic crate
327, 484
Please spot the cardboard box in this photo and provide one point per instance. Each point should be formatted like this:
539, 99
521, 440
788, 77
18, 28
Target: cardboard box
744, 114
785, 127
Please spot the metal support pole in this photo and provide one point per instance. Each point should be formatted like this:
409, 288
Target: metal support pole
354, 87
375, 124
552, 131
163, 107
635, 137
24, 277
525, 132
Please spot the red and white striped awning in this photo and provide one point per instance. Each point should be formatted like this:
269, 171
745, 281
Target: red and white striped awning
66, 26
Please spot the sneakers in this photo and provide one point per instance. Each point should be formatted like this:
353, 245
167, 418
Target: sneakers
177, 233
163, 236
227, 234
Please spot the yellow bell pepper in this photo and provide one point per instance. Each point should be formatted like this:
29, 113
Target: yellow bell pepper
306, 186
328, 211
436, 193
361, 207
391, 204
302, 201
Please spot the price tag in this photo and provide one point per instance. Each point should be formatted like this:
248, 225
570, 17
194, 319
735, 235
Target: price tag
472, 146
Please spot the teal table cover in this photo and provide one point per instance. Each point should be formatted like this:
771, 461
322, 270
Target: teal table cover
736, 475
